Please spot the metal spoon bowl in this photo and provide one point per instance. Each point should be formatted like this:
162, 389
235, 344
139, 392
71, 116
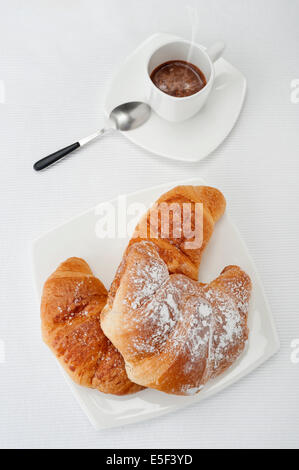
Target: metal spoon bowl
131, 115
124, 117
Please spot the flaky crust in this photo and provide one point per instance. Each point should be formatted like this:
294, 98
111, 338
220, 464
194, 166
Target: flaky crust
173, 250
173, 332
71, 305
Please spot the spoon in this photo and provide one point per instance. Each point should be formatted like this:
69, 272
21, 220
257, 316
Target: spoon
124, 117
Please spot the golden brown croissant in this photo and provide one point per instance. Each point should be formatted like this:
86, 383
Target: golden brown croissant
169, 328
173, 332
206, 206
71, 306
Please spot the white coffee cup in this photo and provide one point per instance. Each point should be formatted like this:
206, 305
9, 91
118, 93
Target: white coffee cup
174, 108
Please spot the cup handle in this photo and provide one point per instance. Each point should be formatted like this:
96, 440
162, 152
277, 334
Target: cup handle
215, 51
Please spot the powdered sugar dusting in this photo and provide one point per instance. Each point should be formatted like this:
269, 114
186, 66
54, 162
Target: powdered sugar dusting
200, 326
145, 278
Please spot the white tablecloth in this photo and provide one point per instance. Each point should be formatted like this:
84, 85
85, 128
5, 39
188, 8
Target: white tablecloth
57, 58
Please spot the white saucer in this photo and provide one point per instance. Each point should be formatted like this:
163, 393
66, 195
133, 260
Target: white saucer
190, 140
77, 237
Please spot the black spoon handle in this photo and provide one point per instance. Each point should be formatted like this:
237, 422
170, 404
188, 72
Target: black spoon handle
54, 157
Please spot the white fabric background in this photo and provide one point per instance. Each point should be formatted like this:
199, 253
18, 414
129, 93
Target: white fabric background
56, 59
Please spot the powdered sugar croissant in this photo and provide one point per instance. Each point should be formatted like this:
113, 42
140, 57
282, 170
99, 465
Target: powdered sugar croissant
71, 306
173, 332
180, 249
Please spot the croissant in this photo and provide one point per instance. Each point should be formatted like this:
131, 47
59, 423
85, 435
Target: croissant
71, 306
174, 333
169, 328
206, 206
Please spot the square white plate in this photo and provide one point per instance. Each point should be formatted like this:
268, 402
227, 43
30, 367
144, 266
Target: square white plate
77, 237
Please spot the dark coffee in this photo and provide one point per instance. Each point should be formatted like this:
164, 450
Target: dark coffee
178, 78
